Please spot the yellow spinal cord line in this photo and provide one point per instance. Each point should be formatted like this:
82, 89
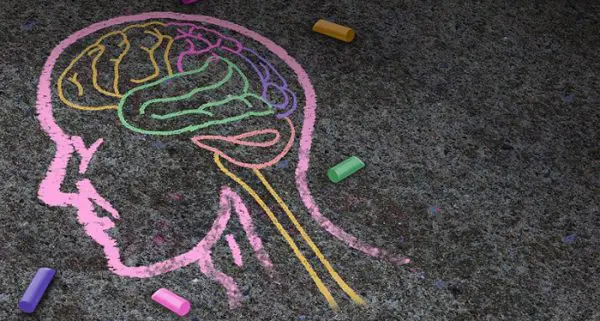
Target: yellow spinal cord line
320, 285
98, 49
341, 283
338, 279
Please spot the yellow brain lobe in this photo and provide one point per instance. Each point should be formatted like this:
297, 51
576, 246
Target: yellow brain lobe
97, 77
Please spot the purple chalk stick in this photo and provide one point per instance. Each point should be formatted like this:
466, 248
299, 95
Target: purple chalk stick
36, 289
188, 1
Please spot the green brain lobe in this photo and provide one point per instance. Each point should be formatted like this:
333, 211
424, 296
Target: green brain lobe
216, 93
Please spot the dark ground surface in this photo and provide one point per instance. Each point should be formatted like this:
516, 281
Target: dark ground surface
478, 124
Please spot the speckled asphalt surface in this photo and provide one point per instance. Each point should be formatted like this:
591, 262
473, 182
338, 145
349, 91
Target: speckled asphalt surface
478, 123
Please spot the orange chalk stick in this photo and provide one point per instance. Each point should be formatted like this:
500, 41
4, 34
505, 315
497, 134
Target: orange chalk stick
334, 30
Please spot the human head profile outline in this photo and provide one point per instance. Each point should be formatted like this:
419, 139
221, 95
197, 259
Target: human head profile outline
165, 74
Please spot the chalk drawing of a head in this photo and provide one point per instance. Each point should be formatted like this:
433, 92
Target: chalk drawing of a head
174, 75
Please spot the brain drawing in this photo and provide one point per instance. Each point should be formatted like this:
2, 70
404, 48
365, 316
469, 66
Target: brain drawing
140, 71
204, 83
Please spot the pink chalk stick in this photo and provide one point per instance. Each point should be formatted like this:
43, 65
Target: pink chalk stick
188, 1
172, 301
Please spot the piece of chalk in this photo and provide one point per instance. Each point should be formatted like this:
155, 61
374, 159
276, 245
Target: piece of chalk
334, 30
188, 1
345, 169
36, 289
172, 301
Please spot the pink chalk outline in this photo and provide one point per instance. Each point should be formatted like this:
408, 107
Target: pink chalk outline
235, 250
84, 200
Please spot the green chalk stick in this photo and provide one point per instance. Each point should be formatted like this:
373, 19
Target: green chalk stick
345, 169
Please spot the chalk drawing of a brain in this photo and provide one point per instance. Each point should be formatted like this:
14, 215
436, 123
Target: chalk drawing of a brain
232, 103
